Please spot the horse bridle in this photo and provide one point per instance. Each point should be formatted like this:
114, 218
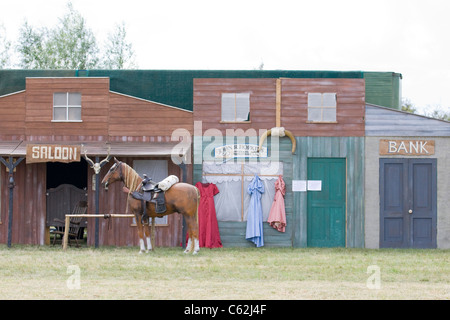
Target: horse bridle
120, 172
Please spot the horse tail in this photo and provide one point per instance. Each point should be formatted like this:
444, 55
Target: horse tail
198, 203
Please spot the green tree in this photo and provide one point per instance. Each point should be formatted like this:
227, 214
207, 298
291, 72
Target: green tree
408, 106
438, 113
4, 49
71, 44
32, 48
118, 53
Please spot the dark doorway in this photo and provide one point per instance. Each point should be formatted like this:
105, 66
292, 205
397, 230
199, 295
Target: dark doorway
74, 173
66, 187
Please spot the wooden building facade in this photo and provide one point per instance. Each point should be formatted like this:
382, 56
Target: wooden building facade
326, 116
142, 115
407, 180
83, 112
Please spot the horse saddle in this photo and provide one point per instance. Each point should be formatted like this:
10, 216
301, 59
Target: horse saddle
151, 193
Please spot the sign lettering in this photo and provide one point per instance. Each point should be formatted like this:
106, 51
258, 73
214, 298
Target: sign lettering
239, 151
52, 153
407, 147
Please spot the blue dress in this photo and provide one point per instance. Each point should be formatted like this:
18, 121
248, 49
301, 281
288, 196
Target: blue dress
254, 230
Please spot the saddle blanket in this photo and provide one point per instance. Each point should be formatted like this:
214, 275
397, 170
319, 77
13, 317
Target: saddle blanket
165, 184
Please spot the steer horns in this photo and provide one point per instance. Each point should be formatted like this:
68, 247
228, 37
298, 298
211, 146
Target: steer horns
278, 132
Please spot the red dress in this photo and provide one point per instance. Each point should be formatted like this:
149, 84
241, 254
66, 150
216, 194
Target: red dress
207, 220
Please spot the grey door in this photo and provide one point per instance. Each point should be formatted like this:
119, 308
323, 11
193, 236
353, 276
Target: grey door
408, 203
61, 201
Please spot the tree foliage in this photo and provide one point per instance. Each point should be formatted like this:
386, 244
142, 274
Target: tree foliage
118, 53
71, 44
4, 48
436, 112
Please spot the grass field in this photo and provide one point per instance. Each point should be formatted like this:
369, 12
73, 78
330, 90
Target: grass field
45, 272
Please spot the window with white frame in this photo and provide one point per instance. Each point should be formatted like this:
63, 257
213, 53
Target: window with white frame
235, 107
322, 107
67, 106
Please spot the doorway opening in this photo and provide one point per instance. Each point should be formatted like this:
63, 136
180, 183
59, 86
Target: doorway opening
66, 188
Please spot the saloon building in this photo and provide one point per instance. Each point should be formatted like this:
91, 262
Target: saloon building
358, 172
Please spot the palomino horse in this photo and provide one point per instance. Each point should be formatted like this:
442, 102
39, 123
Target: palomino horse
181, 197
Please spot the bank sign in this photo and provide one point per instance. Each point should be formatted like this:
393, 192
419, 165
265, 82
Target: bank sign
407, 147
52, 153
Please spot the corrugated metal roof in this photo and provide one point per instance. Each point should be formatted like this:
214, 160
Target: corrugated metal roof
383, 122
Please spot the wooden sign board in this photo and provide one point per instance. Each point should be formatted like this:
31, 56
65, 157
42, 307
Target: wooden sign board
52, 153
240, 151
407, 147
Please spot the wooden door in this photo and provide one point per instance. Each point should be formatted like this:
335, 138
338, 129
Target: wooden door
327, 207
62, 200
408, 203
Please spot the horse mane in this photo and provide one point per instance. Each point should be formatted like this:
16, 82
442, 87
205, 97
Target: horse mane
131, 178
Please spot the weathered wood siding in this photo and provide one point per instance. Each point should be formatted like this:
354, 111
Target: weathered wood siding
294, 105
383, 122
133, 117
208, 95
232, 233
351, 148
29, 208
350, 98
94, 109
12, 115
106, 116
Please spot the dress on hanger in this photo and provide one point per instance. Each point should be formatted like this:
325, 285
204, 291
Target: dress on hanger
208, 227
277, 215
254, 231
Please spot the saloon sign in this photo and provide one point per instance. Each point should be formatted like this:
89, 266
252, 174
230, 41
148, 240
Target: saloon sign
52, 153
407, 147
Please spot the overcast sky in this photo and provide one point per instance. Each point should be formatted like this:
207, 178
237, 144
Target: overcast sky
405, 36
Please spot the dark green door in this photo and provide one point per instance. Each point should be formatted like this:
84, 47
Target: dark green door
326, 208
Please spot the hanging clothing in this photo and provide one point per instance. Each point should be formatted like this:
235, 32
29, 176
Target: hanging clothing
208, 227
277, 215
254, 230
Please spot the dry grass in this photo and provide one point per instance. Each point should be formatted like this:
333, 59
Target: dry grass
29, 272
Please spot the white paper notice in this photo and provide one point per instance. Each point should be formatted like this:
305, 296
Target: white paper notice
298, 185
314, 185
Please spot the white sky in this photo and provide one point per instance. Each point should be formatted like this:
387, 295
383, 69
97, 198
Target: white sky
410, 37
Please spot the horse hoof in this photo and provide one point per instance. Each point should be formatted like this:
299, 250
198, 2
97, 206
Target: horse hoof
195, 252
